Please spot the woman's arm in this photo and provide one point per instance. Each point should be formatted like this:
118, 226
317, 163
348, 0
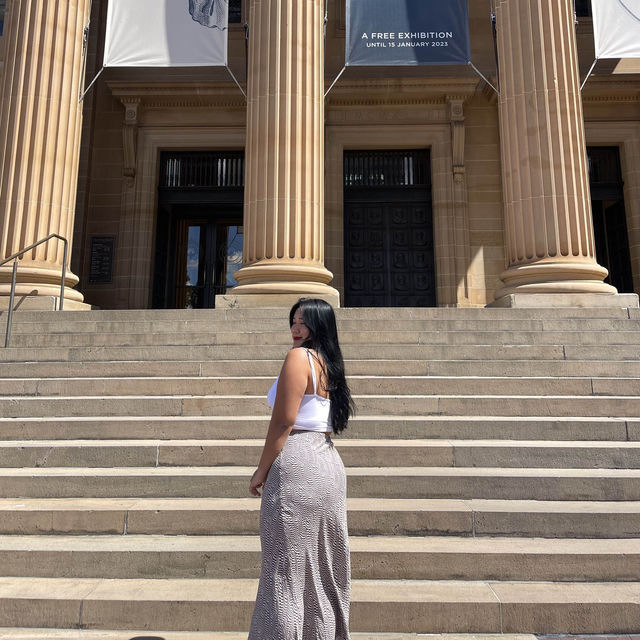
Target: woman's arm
292, 384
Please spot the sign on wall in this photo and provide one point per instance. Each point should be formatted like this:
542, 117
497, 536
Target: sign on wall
101, 261
407, 32
166, 33
616, 28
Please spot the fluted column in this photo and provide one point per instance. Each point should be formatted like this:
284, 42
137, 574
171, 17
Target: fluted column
549, 227
284, 182
40, 125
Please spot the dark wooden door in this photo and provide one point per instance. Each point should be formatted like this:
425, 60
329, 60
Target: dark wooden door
388, 233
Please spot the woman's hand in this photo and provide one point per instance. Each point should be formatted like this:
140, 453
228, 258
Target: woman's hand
257, 480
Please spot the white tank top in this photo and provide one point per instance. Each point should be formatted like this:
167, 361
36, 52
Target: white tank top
313, 414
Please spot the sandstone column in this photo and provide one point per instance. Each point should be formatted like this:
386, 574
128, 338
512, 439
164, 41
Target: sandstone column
549, 228
284, 184
40, 125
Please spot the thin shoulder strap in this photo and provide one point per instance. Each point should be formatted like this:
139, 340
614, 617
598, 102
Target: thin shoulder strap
313, 371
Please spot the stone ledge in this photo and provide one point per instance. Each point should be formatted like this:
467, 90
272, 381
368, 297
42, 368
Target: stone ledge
42, 303
270, 300
561, 300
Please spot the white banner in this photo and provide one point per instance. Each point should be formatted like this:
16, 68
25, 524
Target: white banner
166, 33
616, 28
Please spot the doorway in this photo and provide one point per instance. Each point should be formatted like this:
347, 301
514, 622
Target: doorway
199, 229
388, 229
207, 255
609, 216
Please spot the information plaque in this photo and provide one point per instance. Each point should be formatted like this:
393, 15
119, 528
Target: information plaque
102, 250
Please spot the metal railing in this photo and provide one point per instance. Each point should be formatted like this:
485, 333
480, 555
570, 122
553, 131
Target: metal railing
14, 273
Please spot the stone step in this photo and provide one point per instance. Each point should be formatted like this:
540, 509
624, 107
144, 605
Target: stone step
83, 634
355, 313
412, 606
71, 326
277, 352
354, 453
234, 405
534, 438
350, 351
271, 368
372, 558
366, 516
347, 338
363, 482
384, 385
388, 427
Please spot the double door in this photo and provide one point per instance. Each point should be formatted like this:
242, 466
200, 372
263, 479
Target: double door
203, 250
208, 253
388, 229
389, 254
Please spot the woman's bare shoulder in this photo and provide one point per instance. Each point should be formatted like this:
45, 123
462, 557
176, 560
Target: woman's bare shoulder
297, 357
295, 366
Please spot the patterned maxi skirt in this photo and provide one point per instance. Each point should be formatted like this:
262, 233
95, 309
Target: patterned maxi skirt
305, 581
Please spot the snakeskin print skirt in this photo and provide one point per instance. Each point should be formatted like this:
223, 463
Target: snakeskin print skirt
305, 581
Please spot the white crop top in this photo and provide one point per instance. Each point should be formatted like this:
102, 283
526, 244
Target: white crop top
313, 414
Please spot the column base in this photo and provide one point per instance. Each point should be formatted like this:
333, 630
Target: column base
263, 300
553, 276
42, 303
278, 284
35, 280
566, 300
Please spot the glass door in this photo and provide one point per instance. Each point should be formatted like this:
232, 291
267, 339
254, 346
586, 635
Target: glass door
208, 253
193, 265
230, 238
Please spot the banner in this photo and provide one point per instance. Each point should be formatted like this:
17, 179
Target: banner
407, 32
166, 33
616, 28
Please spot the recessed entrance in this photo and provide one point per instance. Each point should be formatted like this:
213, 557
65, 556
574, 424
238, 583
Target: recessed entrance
609, 216
388, 229
199, 229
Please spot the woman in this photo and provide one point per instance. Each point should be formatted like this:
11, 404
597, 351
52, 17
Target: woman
305, 581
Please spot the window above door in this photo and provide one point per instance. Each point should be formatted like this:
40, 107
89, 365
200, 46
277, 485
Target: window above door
583, 8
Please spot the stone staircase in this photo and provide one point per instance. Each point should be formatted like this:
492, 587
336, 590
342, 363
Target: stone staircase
493, 469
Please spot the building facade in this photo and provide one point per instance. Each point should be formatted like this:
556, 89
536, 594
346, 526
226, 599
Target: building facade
403, 187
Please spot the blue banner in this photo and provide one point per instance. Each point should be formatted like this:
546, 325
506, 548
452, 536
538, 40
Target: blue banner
407, 32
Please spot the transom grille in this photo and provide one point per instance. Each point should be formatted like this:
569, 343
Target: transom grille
583, 8
235, 11
604, 165
202, 169
386, 168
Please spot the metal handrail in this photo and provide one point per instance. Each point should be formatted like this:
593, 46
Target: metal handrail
15, 257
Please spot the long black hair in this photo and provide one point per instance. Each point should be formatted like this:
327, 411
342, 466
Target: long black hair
319, 318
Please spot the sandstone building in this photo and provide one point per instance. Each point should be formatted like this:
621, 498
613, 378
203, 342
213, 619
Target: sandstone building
405, 187
493, 464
